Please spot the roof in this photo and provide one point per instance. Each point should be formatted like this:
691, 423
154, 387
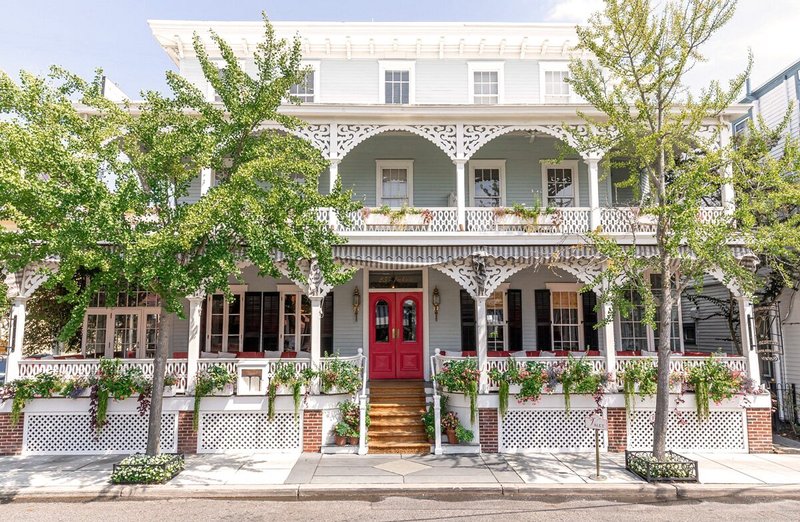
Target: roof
772, 82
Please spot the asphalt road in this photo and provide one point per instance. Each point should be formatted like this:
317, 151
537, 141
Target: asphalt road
395, 509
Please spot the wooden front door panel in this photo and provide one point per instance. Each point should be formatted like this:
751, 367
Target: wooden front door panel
395, 338
408, 341
381, 343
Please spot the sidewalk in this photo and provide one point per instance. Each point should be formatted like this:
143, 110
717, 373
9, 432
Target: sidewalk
565, 475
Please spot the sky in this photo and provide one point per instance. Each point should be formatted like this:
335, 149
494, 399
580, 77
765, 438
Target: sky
82, 35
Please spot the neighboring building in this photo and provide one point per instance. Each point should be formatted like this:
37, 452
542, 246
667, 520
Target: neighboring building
460, 122
781, 324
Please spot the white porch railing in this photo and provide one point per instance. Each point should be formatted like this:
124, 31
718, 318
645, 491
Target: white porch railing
565, 221
623, 220
682, 363
88, 367
501, 363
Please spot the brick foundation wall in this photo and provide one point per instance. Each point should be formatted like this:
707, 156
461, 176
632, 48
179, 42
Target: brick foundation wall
617, 430
312, 431
187, 437
759, 430
10, 436
488, 429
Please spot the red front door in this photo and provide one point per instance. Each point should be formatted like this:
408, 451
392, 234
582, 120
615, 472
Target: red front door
395, 337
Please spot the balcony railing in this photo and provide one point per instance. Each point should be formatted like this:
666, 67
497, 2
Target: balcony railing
564, 221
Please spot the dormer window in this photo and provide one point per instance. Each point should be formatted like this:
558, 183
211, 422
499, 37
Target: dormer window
396, 82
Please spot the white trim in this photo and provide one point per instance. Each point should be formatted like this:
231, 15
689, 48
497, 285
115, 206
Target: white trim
284, 290
394, 164
571, 164
236, 290
487, 164
426, 324
110, 312
553, 66
473, 67
567, 288
503, 288
396, 65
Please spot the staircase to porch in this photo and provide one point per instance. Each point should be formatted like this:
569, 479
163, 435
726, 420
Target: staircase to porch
395, 410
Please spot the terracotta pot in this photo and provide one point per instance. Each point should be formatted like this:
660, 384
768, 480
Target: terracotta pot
353, 440
340, 440
451, 436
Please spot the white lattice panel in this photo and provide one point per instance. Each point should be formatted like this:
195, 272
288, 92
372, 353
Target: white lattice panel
248, 431
547, 430
724, 431
72, 434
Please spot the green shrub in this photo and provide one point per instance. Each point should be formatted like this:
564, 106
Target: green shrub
146, 469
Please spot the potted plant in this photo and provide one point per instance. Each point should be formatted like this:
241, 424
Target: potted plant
47, 384
461, 376
713, 381
674, 467
449, 425
533, 379
339, 376
397, 218
215, 379
530, 218
170, 381
287, 379
340, 433
147, 469
463, 435
638, 378
77, 386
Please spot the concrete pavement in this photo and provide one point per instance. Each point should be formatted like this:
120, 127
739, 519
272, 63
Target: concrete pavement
312, 475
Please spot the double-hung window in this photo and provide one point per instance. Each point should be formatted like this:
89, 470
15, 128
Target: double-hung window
308, 89
295, 318
396, 82
496, 320
487, 183
553, 83
636, 335
560, 184
566, 311
485, 82
394, 183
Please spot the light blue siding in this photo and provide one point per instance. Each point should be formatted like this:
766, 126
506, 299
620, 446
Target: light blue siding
521, 81
348, 81
348, 332
441, 82
193, 195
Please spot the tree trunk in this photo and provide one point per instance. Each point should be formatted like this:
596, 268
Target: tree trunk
664, 353
159, 371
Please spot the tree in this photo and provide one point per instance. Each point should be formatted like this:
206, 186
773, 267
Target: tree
653, 126
102, 188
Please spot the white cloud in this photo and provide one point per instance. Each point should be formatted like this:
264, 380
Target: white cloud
572, 10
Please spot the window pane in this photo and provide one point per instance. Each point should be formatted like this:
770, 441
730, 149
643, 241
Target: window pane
95, 335
394, 187
397, 86
382, 321
409, 320
565, 321
487, 187
560, 187
304, 90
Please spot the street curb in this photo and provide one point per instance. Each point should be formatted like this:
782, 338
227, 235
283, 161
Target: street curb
551, 493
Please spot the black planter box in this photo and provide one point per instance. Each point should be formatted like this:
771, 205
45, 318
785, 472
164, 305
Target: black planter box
676, 468
143, 469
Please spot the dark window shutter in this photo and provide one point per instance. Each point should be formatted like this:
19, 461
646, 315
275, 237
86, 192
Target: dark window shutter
468, 341
590, 333
326, 324
203, 309
270, 319
252, 322
514, 320
544, 335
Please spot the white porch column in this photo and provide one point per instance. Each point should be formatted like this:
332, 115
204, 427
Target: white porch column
333, 175
460, 195
316, 327
747, 335
609, 343
594, 192
17, 336
193, 347
206, 177
482, 348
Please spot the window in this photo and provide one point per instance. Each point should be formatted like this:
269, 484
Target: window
553, 84
487, 183
496, 313
224, 320
307, 91
565, 306
125, 327
485, 82
633, 332
394, 183
560, 184
295, 318
396, 82
221, 72
675, 338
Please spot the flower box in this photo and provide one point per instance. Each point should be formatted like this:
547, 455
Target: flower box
169, 391
335, 390
226, 391
144, 469
676, 468
283, 389
375, 219
514, 389
509, 220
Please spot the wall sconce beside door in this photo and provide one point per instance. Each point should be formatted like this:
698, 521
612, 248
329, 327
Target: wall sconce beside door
356, 303
437, 301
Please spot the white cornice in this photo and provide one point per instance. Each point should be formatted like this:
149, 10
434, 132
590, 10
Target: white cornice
385, 40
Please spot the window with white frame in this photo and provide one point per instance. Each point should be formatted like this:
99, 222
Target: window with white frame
496, 314
485, 82
487, 183
307, 90
224, 323
295, 318
636, 335
560, 184
396, 82
125, 327
566, 312
394, 182
553, 84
